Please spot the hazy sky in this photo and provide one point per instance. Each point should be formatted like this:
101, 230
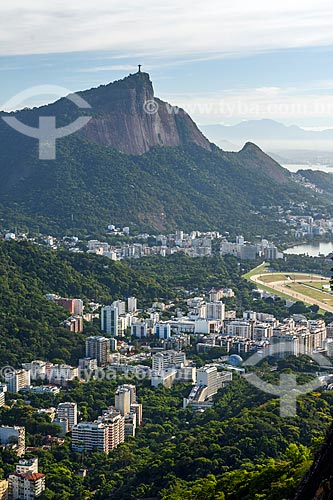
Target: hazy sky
223, 61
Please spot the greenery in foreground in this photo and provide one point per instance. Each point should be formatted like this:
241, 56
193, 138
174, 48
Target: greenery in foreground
240, 449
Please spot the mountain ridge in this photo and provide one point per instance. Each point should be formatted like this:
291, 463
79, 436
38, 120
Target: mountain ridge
270, 135
185, 182
127, 116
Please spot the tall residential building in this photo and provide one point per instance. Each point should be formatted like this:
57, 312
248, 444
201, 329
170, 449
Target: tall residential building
103, 435
139, 329
132, 304
239, 328
130, 424
88, 364
116, 427
132, 390
165, 377
162, 330
74, 324
110, 320
215, 310
90, 436
98, 348
207, 376
120, 305
78, 307
68, 410
17, 379
13, 437
123, 400
63, 424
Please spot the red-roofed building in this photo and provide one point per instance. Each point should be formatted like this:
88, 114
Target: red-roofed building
26, 485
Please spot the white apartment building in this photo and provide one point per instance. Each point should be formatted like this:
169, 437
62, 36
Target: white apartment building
206, 326
262, 331
239, 328
113, 344
132, 390
27, 466
120, 305
90, 436
162, 330
95, 246
116, 427
89, 364
26, 483
26, 486
103, 435
187, 374
17, 379
168, 359
60, 374
207, 376
3, 390
165, 377
132, 304
139, 329
63, 424
130, 424
37, 369
284, 343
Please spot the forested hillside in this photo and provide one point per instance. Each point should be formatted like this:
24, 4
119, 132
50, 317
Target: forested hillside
30, 323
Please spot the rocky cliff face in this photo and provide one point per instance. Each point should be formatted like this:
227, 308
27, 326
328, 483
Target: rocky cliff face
128, 117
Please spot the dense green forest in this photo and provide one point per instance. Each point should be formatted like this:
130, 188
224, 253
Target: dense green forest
241, 449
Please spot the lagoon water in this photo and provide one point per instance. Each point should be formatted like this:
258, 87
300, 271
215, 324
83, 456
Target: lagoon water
311, 249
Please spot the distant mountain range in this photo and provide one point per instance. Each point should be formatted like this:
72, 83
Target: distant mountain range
151, 171
289, 143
